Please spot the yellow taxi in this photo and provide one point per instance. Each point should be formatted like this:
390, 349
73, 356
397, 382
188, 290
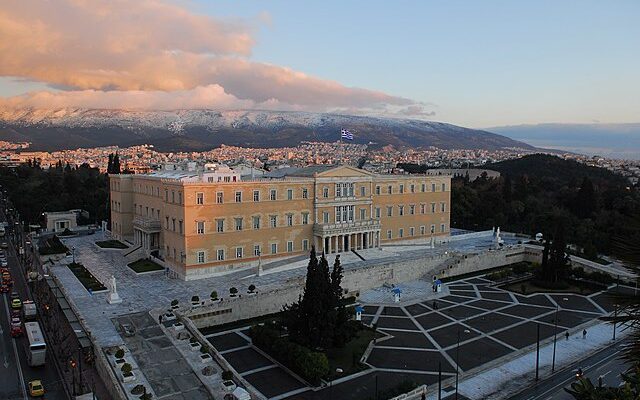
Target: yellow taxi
16, 304
36, 389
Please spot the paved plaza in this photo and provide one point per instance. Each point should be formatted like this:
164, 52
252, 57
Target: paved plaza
421, 337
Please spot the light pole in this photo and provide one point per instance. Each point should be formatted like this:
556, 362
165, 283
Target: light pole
338, 371
73, 254
457, 358
615, 315
537, 350
555, 336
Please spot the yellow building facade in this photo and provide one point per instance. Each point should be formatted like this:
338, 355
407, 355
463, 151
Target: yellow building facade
213, 221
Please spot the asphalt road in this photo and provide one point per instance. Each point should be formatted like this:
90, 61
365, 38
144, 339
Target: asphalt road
15, 374
605, 363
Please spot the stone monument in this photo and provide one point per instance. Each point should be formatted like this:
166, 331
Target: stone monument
113, 297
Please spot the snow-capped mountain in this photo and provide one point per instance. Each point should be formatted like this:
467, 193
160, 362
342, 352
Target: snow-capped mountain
184, 130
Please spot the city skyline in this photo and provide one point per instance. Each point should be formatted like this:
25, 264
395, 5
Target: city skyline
460, 62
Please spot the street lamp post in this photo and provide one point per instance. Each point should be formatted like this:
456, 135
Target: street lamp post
615, 315
439, 380
537, 350
338, 371
457, 358
555, 336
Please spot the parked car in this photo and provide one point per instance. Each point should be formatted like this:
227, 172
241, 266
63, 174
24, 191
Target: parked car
127, 329
16, 327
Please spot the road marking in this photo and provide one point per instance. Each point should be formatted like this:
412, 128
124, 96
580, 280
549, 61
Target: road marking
23, 384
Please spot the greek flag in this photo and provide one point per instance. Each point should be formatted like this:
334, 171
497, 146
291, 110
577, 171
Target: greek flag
345, 134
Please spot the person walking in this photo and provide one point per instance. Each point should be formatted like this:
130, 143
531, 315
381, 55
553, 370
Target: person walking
584, 333
160, 319
566, 334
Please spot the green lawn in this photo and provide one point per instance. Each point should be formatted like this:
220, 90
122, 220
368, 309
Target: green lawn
144, 265
348, 357
111, 244
86, 278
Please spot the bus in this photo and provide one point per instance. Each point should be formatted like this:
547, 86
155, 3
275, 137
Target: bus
37, 349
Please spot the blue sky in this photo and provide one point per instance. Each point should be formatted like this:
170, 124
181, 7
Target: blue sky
474, 63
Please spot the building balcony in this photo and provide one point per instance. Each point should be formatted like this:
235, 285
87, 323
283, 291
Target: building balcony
147, 224
345, 228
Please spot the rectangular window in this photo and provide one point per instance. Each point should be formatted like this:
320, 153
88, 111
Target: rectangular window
219, 198
338, 189
377, 212
433, 187
442, 228
363, 213
433, 228
305, 218
325, 217
443, 207
444, 187
305, 244
289, 194
401, 188
423, 187
173, 224
166, 195
401, 210
289, 219
363, 191
325, 192
289, 247
238, 224
401, 233
389, 211
256, 195
180, 226
423, 208
274, 248
422, 230
412, 188
179, 197
273, 194
220, 254
433, 208
377, 190
200, 198
338, 214
238, 197
389, 234
239, 252
273, 221
220, 225
305, 193
256, 250
351, 211
166, 220
412, 231
389, 189
173, 196
256, 222
412, 209
201, 257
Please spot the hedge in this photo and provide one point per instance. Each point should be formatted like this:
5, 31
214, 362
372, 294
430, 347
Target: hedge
310, 365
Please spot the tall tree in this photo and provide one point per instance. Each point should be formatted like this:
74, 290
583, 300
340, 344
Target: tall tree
116, 164
110, 164
585, 202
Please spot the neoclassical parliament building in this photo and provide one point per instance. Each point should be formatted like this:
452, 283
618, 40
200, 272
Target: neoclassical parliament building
202, 220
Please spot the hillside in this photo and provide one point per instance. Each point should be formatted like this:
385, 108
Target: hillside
195, 130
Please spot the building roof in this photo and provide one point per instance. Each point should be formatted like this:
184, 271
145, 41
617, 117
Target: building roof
309, 171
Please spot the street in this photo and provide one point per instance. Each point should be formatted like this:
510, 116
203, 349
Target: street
605, 363
14, 371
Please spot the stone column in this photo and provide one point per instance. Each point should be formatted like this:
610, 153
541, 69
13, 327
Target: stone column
329, 244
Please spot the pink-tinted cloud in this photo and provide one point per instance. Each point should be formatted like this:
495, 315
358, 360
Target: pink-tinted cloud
151, 53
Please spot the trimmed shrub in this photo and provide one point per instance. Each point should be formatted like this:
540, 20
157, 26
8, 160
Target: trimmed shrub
126, 368
310, 365
214, 295
195, 299
204, 349
252, 288
233, 291
119, 353
174, 303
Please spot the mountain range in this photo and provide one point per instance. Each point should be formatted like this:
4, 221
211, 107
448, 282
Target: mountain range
197, 130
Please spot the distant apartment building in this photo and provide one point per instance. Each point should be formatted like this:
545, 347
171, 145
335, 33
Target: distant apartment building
204, 220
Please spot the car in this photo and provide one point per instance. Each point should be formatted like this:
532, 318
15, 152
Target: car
16, 304
36, 389
4, 262
16, 327
4, 245
127, 329
14, 295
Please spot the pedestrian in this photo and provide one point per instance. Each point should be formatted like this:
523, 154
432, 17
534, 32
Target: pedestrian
424, 396
160, 319
584, 333
566, 334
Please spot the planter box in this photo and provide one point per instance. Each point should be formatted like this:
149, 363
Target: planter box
168, 316
195, 346
178, 326
175, 307
205, 358
128, 378
119, 362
